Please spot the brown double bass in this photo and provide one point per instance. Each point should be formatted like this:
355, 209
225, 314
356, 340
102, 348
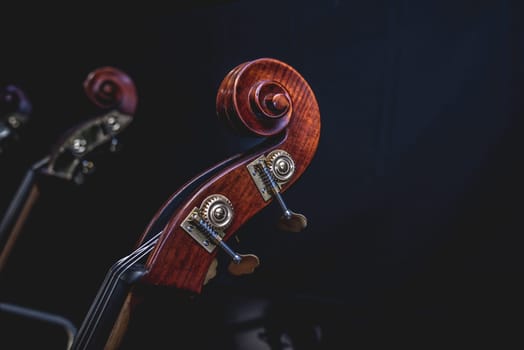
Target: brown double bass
113, 95
178, 249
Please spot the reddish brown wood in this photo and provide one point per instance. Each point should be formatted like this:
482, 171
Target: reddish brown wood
265, 97
109, 87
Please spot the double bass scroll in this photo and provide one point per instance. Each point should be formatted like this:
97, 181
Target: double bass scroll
267, 98
177, 250
114, 94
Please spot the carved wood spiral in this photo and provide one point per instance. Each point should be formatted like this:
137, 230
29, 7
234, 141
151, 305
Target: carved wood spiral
263, 97
111, 88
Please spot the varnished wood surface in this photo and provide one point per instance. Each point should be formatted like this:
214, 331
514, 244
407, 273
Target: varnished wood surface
109, 87
177, 259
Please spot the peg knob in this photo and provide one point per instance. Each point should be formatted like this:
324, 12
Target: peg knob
246, 265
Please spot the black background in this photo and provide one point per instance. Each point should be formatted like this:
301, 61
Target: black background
413, 197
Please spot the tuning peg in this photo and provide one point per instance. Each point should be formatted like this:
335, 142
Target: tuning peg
86, 167
115, 145
241, 264
244, 266
206, 225
292, 222
289, 221
274, 170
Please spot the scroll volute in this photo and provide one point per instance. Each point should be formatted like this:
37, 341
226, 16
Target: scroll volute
113, 94
15, 112
111, 88
264, 97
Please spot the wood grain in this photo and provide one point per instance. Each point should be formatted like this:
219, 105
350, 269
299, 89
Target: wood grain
177, 259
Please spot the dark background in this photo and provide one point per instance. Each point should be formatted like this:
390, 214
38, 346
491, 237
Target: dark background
413, 197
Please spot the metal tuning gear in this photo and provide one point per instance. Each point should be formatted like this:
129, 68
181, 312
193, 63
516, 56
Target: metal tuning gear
207, 224
270, 173
15, 111
68, 159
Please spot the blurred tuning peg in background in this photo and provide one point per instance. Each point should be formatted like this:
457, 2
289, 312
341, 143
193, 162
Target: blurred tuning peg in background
114, 94
15, 110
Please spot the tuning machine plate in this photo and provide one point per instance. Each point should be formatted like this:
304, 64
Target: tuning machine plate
189, 226
280, 166
207, 223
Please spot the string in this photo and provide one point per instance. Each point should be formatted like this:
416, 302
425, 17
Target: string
106, 290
